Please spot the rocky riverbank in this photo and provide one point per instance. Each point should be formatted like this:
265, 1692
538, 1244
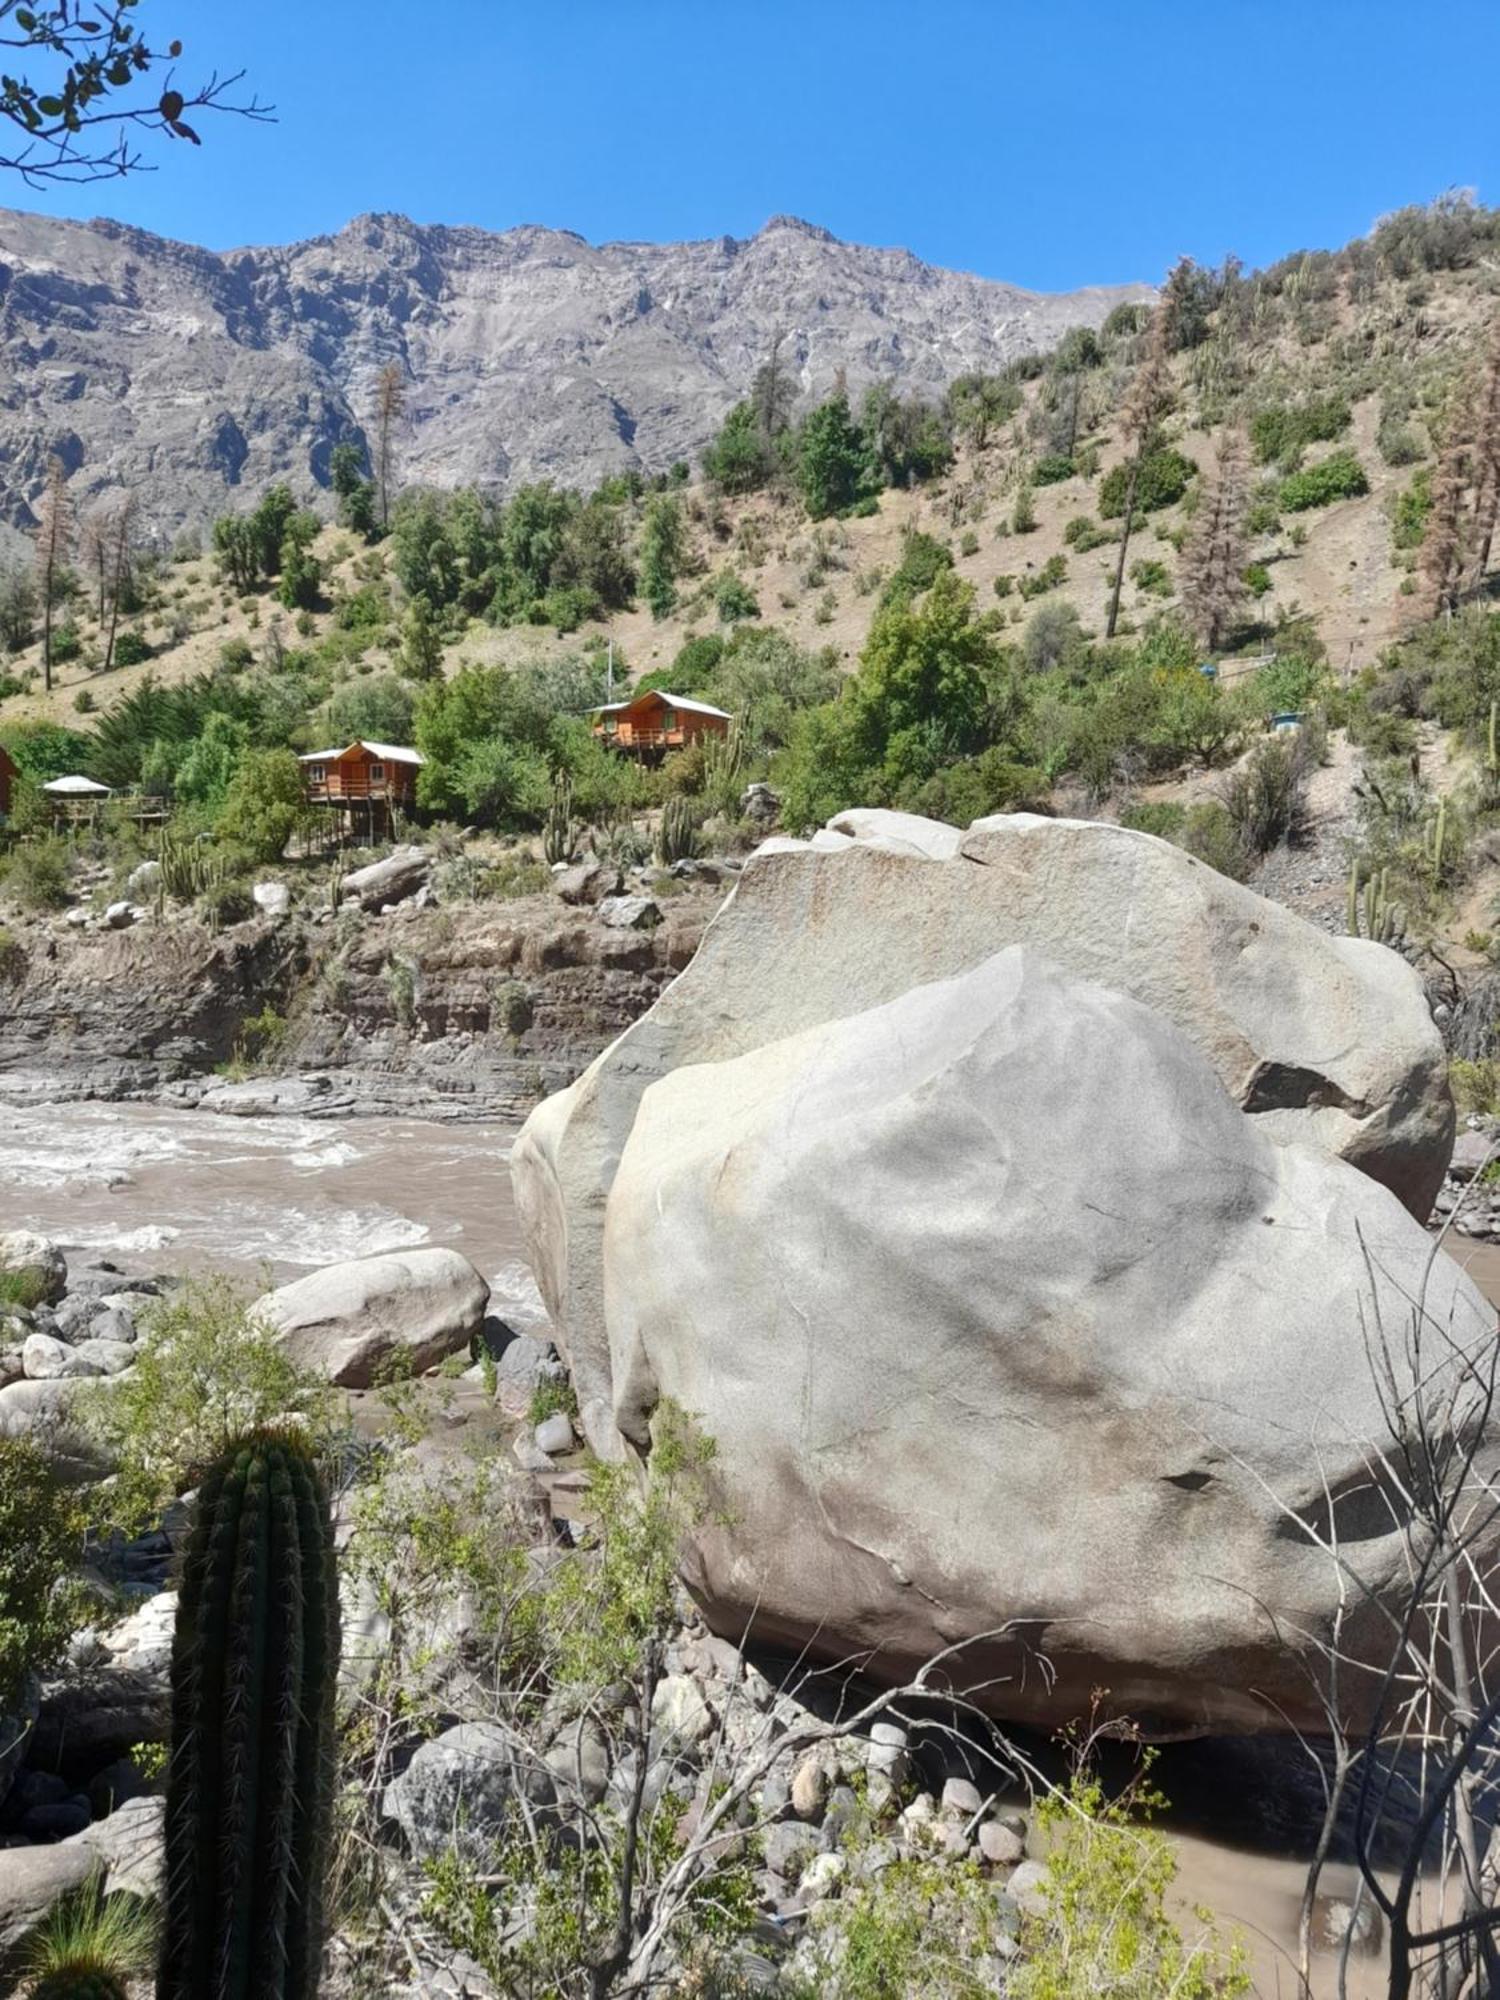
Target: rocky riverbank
396, 1004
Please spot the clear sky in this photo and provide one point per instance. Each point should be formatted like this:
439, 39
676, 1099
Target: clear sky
1053, 143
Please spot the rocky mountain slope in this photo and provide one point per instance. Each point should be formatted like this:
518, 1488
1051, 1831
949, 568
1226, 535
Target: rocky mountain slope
184, 373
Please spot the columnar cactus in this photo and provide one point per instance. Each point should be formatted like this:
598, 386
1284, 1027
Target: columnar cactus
250, 1778
677, 836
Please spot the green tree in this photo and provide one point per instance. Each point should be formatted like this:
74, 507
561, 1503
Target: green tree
738, 460
421, 641
41, 1544
204, 775
18, 609
663, 551
263, 804
832, 458
237, 547
422, 555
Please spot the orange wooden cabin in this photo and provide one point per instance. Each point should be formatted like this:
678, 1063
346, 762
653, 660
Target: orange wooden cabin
7, 779
384, 772
654, 723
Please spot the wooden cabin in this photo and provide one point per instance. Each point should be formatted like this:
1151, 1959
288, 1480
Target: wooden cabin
653, 723
7, 780
75, 800
366, 783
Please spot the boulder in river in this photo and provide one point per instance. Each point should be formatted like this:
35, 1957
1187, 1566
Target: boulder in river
1010, 1326
1322, 1040
36, 1262
354, 1321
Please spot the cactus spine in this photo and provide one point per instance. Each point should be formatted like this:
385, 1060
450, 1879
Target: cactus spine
78, 1983
677, 836
250, 1779
557, 828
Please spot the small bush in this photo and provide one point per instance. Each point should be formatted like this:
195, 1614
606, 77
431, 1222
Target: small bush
89, 1936
1257, 579
1050, 470
1152, 577
205, 1371
1160, 816
1209, 834
1266, 799
1083, 534
41, 1542
1053, 573
1278, 435
67, 644
131, 648
1340, 477
37, 876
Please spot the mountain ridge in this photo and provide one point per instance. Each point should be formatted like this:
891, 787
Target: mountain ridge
186, 373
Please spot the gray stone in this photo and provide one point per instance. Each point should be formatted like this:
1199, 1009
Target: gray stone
788, 1847
962, 1798
630, 913
272, 899
32, 1879
57, 1821
93, 1718
120, 916
579, 1760
105, 1357
1027, 1888
586, 882
36, 1258
457, 1790
1108, 1210
144, 1639
127, 1848
811, 1784
352, 1321
113, 1323
554, 1434
44, 1359
1324, 1040
390, 881
1000, 1845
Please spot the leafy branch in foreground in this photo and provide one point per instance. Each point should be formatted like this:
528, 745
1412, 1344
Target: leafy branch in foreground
101, 82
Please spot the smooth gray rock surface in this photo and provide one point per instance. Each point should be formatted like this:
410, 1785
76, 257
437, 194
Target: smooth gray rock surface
405, 1307
1000, 1311
1326, 1040
456, 1791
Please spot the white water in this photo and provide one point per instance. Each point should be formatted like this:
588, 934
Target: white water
155, 1189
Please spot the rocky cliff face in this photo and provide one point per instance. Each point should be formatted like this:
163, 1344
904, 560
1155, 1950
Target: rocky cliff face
187, 374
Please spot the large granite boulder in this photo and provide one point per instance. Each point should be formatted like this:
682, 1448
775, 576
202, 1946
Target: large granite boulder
1009, 1325
404, 1310
1325, 1041
36, 1263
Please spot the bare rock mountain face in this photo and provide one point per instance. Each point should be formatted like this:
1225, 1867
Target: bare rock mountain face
187, 374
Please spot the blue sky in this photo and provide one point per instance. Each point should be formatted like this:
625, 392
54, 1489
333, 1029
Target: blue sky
1056, 144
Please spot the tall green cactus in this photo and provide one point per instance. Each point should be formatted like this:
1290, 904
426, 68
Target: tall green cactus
557, 827
250, 1779
677, 835
78, 1983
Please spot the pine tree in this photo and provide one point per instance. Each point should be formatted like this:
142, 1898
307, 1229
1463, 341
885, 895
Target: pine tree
54, 544
390, 406
1146, 408
1213, 560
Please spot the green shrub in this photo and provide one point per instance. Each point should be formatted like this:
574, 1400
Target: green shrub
205, 1372
1209, 833
1106, 1929
1257, 579
37, 874
131, 648
1266, 799
1163, 480
923, 560
1052, 468
89, 1946
1340, 477
1083, 534
1053, 573
41, 1544
1152, 577
1160, 816
734, 599
1409, 512
67, 644
1278, 435
1004, 584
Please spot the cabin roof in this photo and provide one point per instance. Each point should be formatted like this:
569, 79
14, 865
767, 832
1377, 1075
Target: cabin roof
383, 753
76, 787
664, 700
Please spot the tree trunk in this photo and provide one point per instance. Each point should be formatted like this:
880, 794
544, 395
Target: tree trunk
1127, 523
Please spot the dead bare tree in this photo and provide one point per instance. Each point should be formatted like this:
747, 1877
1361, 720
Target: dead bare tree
1146, 408
390, 407
54, 545
1213, 561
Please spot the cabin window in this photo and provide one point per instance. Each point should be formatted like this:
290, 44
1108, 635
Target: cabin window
669, 718
377, 774
317, 773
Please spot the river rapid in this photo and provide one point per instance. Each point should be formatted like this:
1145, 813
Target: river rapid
269, 1198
